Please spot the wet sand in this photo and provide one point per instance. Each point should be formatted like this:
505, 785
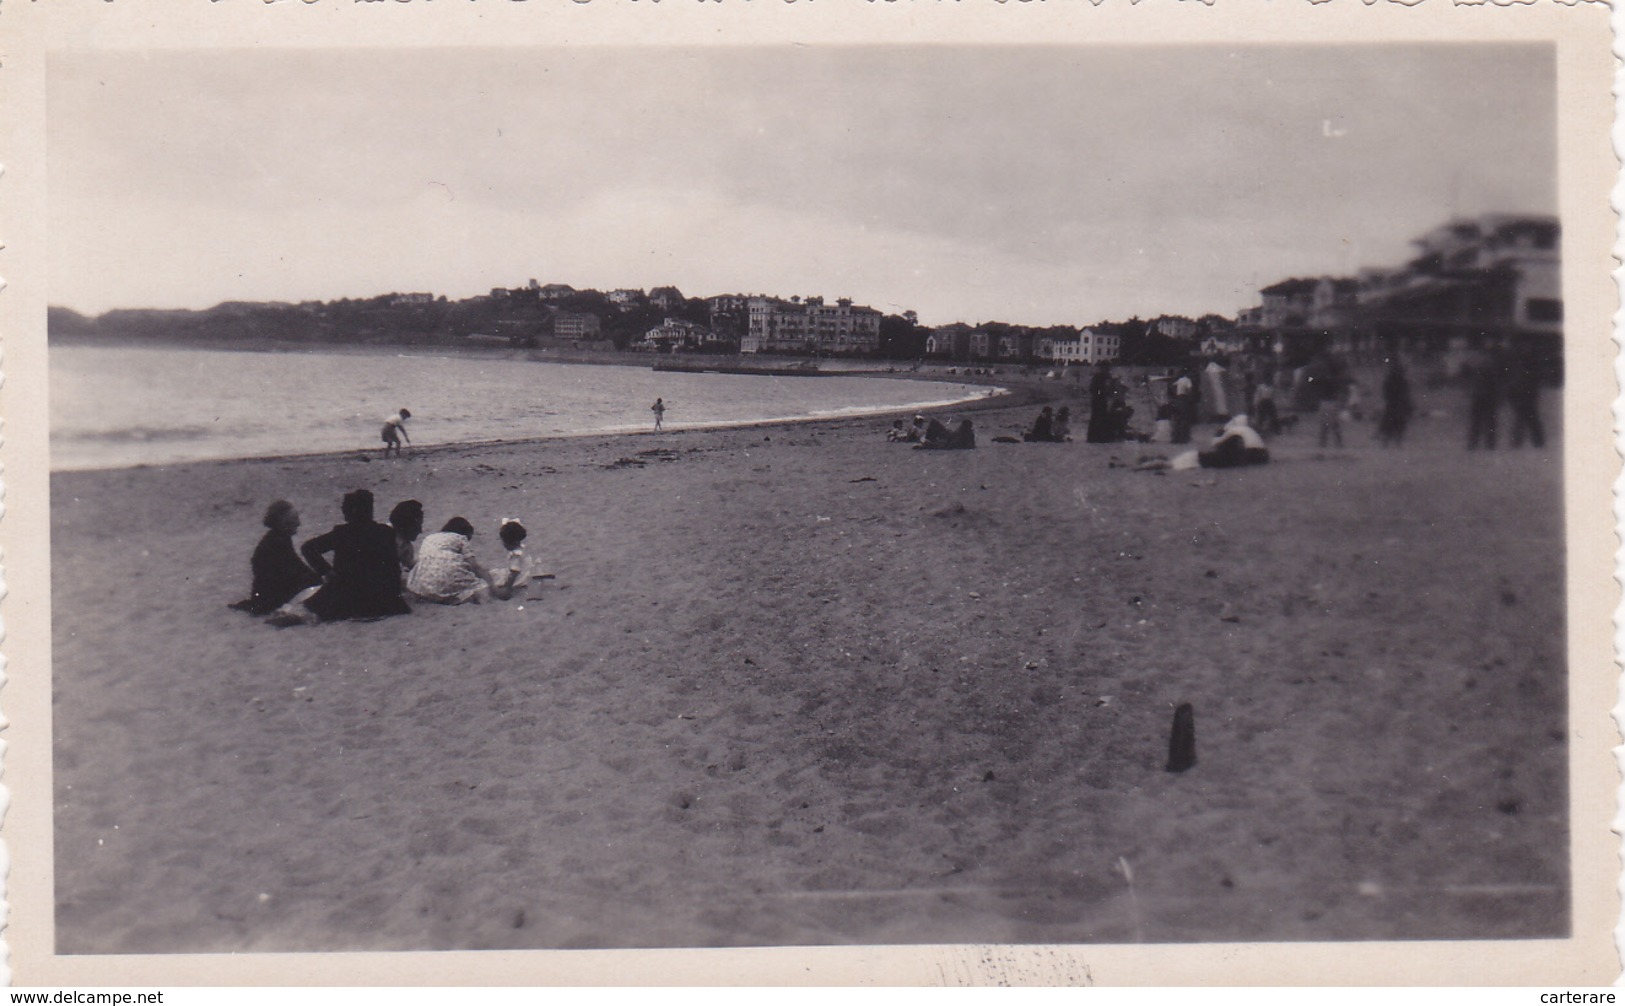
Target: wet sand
798, 686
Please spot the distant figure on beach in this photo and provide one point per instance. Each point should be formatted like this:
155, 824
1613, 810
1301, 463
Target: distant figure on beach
512, 578
1327, 385
1396, 405
279, 574
935, 437
1061, 430
1484, 397
659, 409
1269, 420
1237, 444
394, 430
1041, 430
899, 433
963, 438
1353, 401
447, 571
1101, 419
1182, 407
1523, 398
1118, 410
364, 578
407, 521
1162, 428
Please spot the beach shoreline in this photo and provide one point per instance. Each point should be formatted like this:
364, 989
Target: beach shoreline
794, 685
82, 446
994, 399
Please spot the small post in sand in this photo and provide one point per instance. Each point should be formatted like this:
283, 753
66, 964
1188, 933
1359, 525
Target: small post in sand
1182, 745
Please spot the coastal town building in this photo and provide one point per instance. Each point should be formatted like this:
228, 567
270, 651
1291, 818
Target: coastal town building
1287, 304
1498, 275
951, 341
1015, 346
625, 299
981, 344
810, 326
674, 334
728, 303
575, 325
1495, 276
729, 314
1088, 347
554, 291
412, 298
1173, 327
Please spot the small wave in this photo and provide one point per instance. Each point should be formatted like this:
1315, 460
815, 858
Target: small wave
136, 434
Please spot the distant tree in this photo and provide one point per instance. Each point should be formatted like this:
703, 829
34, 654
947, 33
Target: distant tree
901, 339
1134, 335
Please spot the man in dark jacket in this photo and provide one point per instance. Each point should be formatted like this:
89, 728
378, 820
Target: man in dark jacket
364, 578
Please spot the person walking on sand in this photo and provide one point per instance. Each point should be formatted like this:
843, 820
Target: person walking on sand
659, 409
394, 430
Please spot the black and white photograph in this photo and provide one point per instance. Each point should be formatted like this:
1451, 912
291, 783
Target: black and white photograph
865, 493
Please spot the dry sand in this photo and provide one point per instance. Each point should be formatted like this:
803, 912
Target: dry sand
800, 686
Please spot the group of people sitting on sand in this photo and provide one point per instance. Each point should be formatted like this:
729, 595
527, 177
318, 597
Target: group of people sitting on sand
932, 435
1051, 426
364, 569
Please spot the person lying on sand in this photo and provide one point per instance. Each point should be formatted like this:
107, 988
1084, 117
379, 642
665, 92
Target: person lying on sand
1235, 445
937, 437
447, 571
279, 574
364, 578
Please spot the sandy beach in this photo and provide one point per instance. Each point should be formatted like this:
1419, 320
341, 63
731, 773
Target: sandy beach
798, 686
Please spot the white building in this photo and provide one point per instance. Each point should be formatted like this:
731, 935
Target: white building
1089, 347
810, 326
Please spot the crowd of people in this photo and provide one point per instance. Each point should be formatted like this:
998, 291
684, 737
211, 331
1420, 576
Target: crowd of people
363, 569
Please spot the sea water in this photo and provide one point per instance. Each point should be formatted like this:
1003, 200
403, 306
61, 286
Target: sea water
120, 406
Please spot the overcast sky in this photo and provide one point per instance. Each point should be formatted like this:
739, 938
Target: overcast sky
1037, 185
